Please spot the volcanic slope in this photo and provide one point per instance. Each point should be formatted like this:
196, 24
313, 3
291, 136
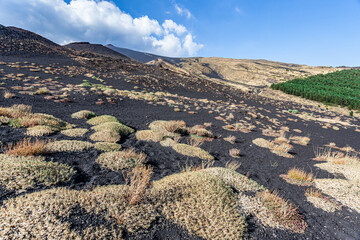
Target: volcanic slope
226, 165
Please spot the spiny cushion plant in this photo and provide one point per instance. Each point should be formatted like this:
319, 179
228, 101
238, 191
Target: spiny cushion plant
107, 147
39, 130
149, 135
114, 127
105, 209
341, 88
201, 203
18, 172
105, 136
192, 151
102, 119
75, 132
83, 114
68, 146
119, 160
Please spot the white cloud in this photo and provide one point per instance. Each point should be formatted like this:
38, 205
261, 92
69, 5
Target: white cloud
97, 21
239, 10
182, 11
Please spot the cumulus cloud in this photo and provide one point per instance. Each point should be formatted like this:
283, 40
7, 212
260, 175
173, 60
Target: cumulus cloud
182, 11
98, 21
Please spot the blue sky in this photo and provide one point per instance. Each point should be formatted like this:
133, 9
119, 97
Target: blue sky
313, 32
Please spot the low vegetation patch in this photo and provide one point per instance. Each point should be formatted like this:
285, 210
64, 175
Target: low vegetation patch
149, 135
117, 127
83, 114
102, 119
75, 132
19, 172
120, 160
39, 130
107, 147
283, 211
105, 136
68, 146
192, 151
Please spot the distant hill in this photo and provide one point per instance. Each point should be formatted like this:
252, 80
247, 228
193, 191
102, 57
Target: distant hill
17, 41
96, 48
142, 56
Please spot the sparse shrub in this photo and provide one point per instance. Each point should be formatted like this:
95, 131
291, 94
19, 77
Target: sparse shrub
83, 114
27, 147
25, 172
107, 147
105, 136
195, 141
138, 180
102, 119
233, 165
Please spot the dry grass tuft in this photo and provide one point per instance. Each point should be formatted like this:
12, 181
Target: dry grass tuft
8, 95
234, 152
83, 114
300, 176
196, 141
192, 151
200, 131
20, 110
283, 211
138, 180
19, 172
304, 141
27, 147
168, 128
233, 165
149, 135
231, 139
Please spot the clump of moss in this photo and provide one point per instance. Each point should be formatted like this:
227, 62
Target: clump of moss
107, 147
105, 136
192, 151
102, 119
120, 160
68, 146
18, 172
114, 127
83, 114
75, 132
